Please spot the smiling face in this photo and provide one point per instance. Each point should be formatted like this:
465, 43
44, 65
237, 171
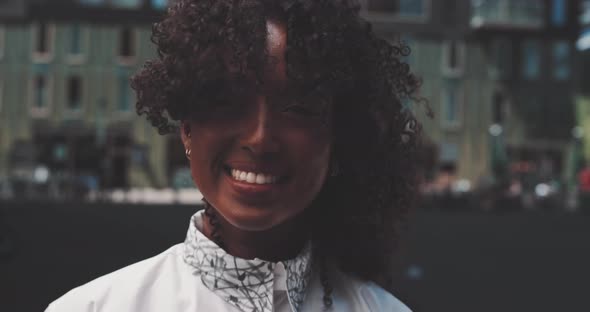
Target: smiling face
261, 157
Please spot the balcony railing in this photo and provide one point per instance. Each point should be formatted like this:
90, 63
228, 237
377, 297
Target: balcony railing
507, 13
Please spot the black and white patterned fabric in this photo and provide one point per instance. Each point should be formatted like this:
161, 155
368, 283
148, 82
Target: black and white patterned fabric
245, 284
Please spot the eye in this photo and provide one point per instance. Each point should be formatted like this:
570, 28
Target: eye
305, 106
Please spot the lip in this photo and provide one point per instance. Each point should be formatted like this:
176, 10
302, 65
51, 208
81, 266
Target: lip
251, 193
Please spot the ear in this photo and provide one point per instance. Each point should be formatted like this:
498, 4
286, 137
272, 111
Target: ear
185, 134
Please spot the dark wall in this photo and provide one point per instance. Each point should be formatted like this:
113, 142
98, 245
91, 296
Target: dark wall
463, 261
54, 248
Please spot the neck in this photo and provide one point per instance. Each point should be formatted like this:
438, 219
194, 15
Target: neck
279, 243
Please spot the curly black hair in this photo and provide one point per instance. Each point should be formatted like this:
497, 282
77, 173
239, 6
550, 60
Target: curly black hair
332, 53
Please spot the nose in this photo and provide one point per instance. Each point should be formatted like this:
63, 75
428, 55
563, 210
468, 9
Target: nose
259, 136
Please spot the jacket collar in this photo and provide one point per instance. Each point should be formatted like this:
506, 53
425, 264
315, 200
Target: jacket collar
245, 284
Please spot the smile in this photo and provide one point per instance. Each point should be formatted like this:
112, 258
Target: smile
253, 177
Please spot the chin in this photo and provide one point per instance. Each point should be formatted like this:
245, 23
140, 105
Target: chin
253, 225
254, 219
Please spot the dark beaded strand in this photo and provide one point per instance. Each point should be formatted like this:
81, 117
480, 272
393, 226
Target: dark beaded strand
215, 225
326, 284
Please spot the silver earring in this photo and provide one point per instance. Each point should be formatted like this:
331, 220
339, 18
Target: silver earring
187, 152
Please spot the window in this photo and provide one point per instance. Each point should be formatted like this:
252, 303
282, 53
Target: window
159, 4
500, 58
498, 107
1, 94
561, 57
75, 46
584, 18
559, 12
583, 66
40, 92
40, 95
43, 42
518, 13
42, 45
453, 55
77, 43
127, 45
452, 105
399, 8
531, 59
74, 93
449, 153
124, 94
2, 40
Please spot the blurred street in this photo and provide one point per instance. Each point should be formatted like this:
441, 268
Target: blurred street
460, 261
87, 187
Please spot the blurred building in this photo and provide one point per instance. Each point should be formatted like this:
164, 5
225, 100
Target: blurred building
583, 88
65, 100
11, 9
499, 75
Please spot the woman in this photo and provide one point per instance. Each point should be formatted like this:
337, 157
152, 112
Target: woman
290, 113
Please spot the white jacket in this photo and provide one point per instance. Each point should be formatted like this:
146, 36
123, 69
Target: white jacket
199, 276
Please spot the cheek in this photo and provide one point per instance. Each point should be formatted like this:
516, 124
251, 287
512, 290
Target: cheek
319, 156
206, 147
313, 156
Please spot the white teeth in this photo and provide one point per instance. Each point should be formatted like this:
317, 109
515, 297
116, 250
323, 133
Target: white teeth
254, 178
251, 177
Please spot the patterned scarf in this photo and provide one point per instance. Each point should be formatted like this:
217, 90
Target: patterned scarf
245, 284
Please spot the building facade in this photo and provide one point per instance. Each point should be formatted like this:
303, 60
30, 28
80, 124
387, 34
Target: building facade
582, 87
65, 99
499, 76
